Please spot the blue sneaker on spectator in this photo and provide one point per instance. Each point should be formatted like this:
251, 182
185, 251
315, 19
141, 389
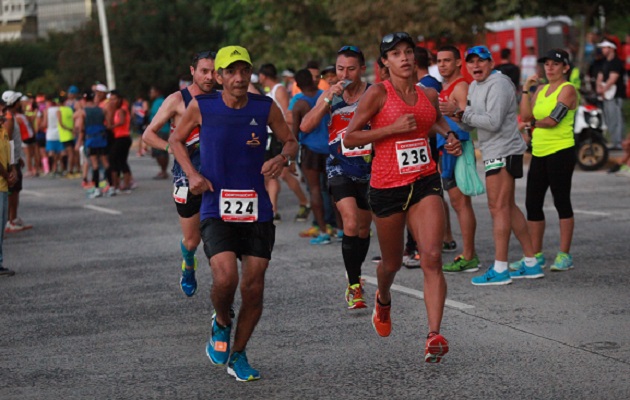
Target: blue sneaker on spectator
188, 281
239, 368
516, 265
525, 272
492, 277
218, 347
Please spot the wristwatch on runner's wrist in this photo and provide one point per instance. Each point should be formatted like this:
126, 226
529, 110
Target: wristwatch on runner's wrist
287, 160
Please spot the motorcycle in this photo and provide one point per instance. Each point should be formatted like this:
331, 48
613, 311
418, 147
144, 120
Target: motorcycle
588, 129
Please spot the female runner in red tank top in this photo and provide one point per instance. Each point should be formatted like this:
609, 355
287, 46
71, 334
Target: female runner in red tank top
405, 187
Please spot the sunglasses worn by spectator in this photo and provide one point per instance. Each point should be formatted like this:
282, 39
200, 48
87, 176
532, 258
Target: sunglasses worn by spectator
204, 54
353, 49
398, 35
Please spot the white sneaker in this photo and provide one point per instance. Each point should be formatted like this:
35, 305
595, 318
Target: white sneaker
94, 193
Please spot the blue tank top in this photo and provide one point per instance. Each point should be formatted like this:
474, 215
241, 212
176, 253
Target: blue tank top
95, 135
232, 146
337, 164
179, 176
317, 140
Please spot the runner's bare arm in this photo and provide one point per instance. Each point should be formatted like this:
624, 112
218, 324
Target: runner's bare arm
273, 167
79, 127
313, 118
177, 141
282, 96
167, 111
370, 104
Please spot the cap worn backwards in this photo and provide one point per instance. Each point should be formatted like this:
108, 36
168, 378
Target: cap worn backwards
231, 54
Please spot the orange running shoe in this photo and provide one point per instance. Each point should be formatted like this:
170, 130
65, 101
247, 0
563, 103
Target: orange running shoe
436, 348
380, 318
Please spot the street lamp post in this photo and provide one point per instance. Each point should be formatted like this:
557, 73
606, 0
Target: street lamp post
109, 68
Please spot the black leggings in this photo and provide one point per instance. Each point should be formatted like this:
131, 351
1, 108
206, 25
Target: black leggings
118, 155
553, 171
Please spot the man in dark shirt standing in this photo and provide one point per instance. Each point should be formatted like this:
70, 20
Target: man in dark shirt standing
506, 67
611, 87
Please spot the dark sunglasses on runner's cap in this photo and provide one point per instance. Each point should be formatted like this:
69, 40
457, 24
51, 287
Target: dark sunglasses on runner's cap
479, 51
353, 49
390, 40
204, 54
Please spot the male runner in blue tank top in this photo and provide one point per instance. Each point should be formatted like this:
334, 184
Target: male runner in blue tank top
348, 169
187, 204
236, 212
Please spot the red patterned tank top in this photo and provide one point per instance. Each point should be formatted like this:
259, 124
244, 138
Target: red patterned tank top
403, 158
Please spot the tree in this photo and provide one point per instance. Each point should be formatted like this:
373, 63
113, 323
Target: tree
283, 32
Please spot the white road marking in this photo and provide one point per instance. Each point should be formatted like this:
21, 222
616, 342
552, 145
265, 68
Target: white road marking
419, 294
102, 209
597, 213
32, 193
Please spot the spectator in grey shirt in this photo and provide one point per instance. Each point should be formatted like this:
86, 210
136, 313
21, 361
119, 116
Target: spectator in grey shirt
491, 108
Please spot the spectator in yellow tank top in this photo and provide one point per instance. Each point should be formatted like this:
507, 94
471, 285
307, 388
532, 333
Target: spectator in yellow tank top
550, 112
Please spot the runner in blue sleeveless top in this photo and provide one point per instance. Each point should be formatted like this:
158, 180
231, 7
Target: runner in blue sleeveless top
348, 169
236, 213
187, 204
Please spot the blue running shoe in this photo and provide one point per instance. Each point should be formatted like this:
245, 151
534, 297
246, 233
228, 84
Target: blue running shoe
218, 347
239, 368
516, 265
188, 281
563, 262
492, 277
323, 238
525, 272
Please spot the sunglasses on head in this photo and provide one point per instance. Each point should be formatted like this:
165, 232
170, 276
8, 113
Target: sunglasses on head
204, 54
397, 35
353, 49
481, 51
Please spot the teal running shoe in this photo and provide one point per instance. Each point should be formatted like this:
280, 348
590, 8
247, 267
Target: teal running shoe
239, 368
218, 347
492, 277
516, 265
188, 281
526, 272
323, 238
563, 262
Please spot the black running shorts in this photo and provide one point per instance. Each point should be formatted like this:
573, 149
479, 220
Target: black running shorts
341, 187
390, 201
242, 238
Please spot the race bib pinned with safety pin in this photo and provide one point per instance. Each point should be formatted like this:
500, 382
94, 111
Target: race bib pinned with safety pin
359, 151
412, 155
180, 194
239, 205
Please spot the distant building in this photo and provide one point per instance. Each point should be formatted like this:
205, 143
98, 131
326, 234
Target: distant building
18, 20
62, 15
32, 19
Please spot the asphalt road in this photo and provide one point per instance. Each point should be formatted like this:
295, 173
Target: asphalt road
95, 310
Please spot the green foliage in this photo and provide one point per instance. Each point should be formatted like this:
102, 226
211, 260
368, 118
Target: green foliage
284, 32
33, 58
